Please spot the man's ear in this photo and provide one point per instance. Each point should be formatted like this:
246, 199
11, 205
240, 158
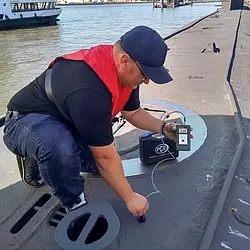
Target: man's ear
124, 61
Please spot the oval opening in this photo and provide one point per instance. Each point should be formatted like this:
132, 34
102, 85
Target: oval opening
98, 231
76, 226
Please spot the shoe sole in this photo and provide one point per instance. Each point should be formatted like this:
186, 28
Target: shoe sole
21, 171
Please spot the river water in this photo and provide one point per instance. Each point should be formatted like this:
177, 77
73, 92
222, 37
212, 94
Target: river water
26, 53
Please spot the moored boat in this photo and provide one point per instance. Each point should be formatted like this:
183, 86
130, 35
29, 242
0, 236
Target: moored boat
16, 14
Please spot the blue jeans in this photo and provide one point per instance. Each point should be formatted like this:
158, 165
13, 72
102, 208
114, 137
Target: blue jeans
60, 154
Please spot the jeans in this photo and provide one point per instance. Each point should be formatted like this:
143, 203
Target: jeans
60, 153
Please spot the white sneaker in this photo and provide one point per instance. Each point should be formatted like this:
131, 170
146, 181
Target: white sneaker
81, 201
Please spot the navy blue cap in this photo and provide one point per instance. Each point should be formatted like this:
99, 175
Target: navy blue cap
145, 46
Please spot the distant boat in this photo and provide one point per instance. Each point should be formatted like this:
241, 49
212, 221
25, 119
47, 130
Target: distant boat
16, 14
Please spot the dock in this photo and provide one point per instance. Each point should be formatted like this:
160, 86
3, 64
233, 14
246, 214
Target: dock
176, 3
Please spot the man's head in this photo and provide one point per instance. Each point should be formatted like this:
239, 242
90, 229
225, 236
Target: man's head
139, 56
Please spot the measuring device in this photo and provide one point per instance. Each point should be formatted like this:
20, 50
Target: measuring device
183, 137
154, 147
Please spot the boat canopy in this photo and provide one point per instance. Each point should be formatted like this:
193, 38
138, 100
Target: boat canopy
32, 1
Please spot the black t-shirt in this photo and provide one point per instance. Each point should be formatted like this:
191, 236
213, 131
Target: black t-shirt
80, 92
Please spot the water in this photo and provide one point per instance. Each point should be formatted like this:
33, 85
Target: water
26, 53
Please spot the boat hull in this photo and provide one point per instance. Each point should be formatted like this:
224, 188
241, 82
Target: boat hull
28, 22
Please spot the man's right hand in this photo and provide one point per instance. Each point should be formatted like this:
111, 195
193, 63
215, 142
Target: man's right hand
110, 167
137, 204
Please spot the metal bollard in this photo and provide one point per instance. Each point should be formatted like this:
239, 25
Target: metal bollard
94, 226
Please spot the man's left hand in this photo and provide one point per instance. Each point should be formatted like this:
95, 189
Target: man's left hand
170, 130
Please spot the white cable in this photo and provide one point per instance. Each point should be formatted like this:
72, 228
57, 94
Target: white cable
152, 174
163, 143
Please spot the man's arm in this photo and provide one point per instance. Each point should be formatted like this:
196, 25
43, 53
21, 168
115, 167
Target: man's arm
138, 116
110, 167
143, 120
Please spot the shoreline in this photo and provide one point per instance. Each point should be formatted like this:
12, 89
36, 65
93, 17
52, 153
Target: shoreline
133, 2
104, 3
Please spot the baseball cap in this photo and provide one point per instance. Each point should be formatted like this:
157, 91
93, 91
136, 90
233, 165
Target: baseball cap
145, 46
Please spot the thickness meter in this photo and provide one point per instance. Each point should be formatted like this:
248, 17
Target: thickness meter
183, 137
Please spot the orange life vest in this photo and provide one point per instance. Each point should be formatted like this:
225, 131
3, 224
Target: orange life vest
101, 60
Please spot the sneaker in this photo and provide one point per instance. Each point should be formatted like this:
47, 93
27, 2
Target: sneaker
81, 201
76, 225
29, 171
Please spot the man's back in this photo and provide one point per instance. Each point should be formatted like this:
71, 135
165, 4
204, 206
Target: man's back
78, 91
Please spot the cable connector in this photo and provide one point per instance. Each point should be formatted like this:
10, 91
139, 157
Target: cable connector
175, 111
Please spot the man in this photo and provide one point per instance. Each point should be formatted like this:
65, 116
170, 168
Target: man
66, 127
